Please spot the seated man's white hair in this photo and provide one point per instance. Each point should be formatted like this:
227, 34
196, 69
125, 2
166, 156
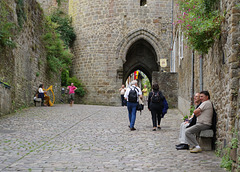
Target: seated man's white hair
134, 82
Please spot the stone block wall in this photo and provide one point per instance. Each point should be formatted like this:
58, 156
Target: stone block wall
24, 68
49, 5
102, 28
168, 84
5, 98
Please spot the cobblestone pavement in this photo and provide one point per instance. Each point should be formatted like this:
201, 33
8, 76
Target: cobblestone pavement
95, 138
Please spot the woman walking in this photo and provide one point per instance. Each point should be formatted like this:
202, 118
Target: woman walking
155, 105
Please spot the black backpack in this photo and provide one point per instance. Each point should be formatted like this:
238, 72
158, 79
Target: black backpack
157, 97
132, 96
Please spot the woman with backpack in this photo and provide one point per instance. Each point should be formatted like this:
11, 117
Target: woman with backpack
155, 105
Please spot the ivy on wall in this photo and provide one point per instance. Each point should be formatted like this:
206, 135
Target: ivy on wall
58, 58
21, 15
58, 38
64, 27
6, 27
200, 23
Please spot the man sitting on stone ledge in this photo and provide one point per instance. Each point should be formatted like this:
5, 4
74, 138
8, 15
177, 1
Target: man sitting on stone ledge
204, 115
186, 124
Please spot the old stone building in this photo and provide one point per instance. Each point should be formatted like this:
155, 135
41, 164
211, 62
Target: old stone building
115, 38
218, 72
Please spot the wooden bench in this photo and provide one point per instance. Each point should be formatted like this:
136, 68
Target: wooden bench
38, 102
205, 139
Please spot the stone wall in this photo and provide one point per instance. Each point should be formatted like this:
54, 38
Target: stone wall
168, 84
220, 74
24, 68
49, 5
5, 99
105, 31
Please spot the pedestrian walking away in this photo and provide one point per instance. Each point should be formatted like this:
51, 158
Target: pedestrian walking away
156, 106
132, 95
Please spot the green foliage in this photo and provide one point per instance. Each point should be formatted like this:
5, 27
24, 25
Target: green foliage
64, 27
145, 81
185, 117
192, 108
226, 160
37, 74
58, 58
239, 161
59, 38
200, 23
64, 77
59, 2
21, 16
234, 143
80, 88
6, 27
80, 91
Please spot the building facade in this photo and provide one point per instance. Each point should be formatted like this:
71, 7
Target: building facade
115, 38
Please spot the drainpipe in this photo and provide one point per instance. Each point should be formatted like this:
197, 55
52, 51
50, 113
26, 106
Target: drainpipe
201, 72
171, 63
192, 85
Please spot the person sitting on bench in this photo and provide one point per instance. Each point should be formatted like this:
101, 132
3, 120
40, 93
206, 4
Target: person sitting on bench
192, 121
204, 115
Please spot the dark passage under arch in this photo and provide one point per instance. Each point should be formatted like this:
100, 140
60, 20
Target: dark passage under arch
140, 56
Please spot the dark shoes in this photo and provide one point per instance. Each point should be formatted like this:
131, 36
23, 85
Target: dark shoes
182, 146
132, 129
154, 129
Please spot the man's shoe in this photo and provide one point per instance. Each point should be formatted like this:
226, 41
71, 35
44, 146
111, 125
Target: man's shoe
180, 144
132, 129
182, 147
196, 150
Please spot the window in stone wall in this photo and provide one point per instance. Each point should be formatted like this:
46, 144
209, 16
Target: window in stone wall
180, 38
173, 60
143, 2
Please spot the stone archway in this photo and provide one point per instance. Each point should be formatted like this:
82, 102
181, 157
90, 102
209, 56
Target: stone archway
140, 56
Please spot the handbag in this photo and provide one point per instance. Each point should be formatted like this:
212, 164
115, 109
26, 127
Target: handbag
140, 105
192, 121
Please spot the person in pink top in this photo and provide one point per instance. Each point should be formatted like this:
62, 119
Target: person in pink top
71, 92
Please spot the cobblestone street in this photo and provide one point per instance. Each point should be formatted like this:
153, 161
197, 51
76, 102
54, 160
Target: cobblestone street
95, 138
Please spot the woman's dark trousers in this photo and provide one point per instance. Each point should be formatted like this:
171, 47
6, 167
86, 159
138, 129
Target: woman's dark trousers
123, 100
156, 117
41, 95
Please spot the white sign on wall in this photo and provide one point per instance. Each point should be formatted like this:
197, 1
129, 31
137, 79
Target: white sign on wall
163, 62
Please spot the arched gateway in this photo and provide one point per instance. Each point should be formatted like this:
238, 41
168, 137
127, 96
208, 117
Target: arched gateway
114, 38
139, 51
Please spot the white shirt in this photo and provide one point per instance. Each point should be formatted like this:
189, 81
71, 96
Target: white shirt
40, 90
139, 92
